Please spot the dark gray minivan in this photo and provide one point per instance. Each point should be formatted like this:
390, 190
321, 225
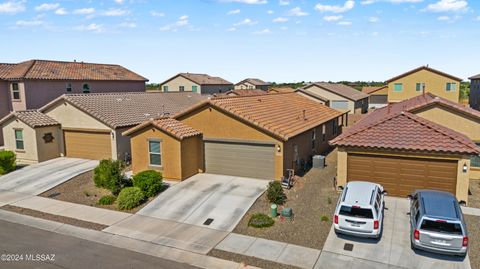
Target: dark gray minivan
437, 223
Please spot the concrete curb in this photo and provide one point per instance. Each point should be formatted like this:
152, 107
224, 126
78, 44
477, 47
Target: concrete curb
139, 246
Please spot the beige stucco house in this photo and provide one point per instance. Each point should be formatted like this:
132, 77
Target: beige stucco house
474, 98
197, 83
252, 83
378, 96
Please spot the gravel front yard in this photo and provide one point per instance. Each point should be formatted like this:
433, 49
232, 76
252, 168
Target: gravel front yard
474, 240
82, 190
312, 197
474, 198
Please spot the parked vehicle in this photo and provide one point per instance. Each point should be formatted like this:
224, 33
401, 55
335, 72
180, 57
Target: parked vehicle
359, 210
437, 223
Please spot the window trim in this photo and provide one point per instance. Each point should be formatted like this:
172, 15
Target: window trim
17, 140
194, 88
395, 87
17, 91
181, 88
89, 90
165, 88
448, 87
419, 89
159, 141
68, 87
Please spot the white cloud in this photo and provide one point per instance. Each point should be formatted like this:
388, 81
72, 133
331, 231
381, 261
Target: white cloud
270, 12
448, 5
231, 29
284, 2
333, 18
250, 2
128, 24
297, 12
443, 18
280, 19
119, 2
345, 23
245, 22
29, 23
47, 6
233, 12
12, 7
157, 14
115, 12
181, 22
348, 5
92, 27
368, 2
84, 11
263, 32
373, 19
61, 11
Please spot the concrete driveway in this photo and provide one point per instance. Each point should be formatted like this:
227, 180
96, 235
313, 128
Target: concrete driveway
176, 217
37, 178
391, 251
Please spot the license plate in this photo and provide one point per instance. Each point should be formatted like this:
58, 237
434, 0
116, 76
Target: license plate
440, 242
355, 225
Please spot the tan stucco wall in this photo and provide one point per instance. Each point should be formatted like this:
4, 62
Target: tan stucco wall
47, 151
245, 85
18, 104
73, 118
30, 154
452, 119
434, 83
192, 156
311, 98
332, 97
341, 167
463, 179
174, 84
381, 92
5, 103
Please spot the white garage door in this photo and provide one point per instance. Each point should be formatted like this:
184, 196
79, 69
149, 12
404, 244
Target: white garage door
339, 104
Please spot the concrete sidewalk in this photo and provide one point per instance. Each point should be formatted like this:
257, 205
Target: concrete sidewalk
275, 251
471, 211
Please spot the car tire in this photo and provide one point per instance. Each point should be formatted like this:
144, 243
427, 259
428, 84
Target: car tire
412, 246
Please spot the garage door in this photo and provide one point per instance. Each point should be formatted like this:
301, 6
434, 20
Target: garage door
379, 99
339, 104
88, 145
401, 176
240, 159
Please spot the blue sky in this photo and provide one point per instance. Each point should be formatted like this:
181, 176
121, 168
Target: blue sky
275, 40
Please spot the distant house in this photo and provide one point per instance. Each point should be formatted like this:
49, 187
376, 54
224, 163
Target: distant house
313, 96
32, 84
378, 96
422, 80
474, 99
198, 83
252, 83
245, 92
280, 90
339, 96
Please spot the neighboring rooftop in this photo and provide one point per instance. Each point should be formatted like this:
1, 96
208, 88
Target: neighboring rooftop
425, 67
171, 126
201, 79
246, 92
312, 94
475, 77
406, 131
128, 109
340, 89
372, 89
283, 115
32, 118
254, 81
281, 90
58, 70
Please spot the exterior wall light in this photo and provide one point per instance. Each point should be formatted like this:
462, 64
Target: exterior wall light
279, 149
465, 167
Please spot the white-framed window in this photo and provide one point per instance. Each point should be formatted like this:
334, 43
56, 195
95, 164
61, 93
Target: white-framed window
19, 145
451, 86
155, 152
15, 91
165, 88
68, 87
181, 88
86, 88
420, 87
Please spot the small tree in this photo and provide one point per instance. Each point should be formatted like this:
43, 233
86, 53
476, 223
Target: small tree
149, 181
275, 193
7, 161
108, 174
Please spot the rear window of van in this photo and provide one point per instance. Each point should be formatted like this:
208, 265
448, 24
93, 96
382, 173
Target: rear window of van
441, 227
357, 212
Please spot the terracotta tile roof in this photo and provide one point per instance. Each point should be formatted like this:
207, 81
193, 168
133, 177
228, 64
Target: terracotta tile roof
283, 115
128, 109
406, 131
281, 90
340, 89
245, 92
32, 118
201, 79
57, 70
372, 89
5, 69
171, 126
312, 94
475, 77
254, 81
424, 68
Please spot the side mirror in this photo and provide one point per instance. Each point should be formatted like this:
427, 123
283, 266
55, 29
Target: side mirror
410, 196
340, 188
462, 203
384, 192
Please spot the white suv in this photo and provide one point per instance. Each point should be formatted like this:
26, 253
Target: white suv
359, 210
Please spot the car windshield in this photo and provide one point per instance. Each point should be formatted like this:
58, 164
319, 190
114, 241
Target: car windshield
441, 227
357, 212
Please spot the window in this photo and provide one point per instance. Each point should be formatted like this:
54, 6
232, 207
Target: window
357, 212
15, 91
194, 88
154, 151
19, 139
86, 88
451, 86
181, 88
313, 138
397, 87
165, 88
475, 161
441, 227
420, 87
323, 133
68, 88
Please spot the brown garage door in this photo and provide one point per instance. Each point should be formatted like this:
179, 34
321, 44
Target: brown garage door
401, 176
88, 145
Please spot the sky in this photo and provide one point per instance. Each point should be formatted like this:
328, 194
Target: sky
274, 40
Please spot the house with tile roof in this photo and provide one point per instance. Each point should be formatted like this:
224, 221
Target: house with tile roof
34, 83
257, 136
378, 96
245, 92
339, 96
422, 142
252, 83
474, 98
197, 83
90, 126
422, 80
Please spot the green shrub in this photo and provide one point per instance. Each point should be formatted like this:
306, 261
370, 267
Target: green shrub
275, 193
7, 161
130, 197
260, 220
107, 200
150, 182
324, 219
108, 174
